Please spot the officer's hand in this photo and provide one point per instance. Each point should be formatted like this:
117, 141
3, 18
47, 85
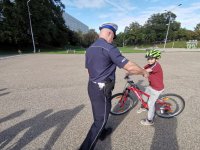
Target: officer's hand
145, 73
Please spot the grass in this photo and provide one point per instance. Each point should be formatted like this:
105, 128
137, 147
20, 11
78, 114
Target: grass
176, 44
5, 53
126, 49
62, 51
82, 51
130, 50
12, 52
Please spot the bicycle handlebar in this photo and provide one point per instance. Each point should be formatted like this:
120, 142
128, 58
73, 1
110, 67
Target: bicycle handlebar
128, 79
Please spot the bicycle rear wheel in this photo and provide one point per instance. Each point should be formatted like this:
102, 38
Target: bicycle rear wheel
119, 106
169, 105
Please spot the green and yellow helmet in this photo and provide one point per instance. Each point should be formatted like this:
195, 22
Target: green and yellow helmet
153, 53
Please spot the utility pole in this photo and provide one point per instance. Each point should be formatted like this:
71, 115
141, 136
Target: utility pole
169, 24
167, 30
31, 26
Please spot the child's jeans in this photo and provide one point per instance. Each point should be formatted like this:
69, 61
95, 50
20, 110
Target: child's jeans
154, 94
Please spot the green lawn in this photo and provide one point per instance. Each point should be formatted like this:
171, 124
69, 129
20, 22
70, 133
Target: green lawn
82, 51
74, 51
128, 49
176, 44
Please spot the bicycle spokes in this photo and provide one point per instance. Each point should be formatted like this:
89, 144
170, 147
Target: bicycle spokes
121, 103
169, 105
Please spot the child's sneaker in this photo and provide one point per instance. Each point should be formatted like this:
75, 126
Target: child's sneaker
141, 110
146, 122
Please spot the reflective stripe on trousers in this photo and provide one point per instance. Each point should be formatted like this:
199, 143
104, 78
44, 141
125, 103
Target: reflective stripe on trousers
101, 106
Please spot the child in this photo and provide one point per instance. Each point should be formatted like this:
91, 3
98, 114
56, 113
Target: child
156, 86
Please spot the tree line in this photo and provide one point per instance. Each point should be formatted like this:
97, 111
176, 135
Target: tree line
48, 25
154, 31
50, 29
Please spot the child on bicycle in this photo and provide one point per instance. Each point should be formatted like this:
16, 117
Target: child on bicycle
156, 85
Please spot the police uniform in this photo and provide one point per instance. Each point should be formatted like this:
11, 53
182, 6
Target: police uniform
102, 58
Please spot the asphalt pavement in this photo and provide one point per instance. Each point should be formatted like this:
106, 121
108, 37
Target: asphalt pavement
44, 105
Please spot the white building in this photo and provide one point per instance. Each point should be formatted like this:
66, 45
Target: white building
74, 24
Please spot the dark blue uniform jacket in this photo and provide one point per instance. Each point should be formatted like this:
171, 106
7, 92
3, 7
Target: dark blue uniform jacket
102, 59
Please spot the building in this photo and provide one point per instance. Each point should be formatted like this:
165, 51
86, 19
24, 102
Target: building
74, 24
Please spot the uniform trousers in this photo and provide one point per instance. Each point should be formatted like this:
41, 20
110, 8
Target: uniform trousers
101, 105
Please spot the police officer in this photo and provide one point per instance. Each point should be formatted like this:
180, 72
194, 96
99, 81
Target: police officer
101, 61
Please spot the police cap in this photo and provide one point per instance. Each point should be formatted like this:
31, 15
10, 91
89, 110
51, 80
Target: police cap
110, 26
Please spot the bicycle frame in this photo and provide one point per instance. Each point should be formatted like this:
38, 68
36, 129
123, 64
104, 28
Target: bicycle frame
139, 94
167, 105
132, 87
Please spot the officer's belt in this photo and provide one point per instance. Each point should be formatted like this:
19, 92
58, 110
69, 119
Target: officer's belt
108, 86
105, 81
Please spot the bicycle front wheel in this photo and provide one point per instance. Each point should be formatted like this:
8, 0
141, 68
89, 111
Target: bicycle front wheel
169, 105
121, 104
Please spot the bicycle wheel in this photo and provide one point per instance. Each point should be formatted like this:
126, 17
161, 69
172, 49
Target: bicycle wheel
119, 106
169, 105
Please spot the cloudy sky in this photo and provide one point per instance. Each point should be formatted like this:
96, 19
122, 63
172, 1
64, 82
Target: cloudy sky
122, 12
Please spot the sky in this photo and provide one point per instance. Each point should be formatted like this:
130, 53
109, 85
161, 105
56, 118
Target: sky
93, 13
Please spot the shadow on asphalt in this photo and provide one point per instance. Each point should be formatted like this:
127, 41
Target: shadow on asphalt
3, 89
139, 84
5, 93
165, 134
2, 94
114, 122
12, 116
38, 125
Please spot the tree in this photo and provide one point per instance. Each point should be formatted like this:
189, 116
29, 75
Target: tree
1, 11
120, 39
47, 22
156, 26
182, 34
197, 27
12, 26
197, 32
89, 38
134, 34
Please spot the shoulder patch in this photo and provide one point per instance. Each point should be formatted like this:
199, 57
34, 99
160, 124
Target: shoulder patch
123, 60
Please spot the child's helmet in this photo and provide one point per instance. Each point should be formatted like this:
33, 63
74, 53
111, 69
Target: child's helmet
153, 53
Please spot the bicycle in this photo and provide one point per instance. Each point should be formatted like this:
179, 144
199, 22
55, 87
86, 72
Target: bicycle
167, 106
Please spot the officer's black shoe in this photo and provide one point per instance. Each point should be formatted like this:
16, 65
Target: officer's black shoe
105, 133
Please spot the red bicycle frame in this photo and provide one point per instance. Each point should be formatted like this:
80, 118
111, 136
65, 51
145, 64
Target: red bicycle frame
139, 94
